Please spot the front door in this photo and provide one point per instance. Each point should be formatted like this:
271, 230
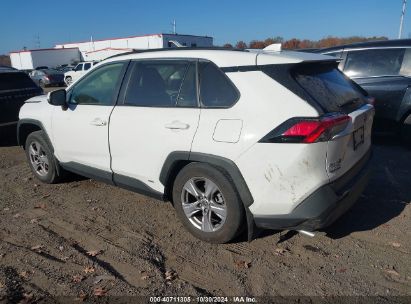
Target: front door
80, 132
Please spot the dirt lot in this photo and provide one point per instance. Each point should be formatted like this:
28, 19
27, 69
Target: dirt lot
84, 237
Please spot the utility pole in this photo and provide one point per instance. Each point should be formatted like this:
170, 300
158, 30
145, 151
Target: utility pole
174, 26
37, 41
404, 4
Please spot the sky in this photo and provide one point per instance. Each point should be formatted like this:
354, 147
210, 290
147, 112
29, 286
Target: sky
22, 21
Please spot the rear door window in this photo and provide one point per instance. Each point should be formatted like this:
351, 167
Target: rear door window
216, 90
87, 66
374, 62
14, 81
329, 87
162, 84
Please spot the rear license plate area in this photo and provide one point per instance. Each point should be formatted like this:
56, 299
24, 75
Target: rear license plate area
358, 137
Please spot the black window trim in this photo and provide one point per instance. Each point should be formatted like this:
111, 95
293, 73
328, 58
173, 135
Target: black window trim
122, 95
116, 90
126, 82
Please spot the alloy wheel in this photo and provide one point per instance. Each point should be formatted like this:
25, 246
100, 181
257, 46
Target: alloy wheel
203, 204
38, 159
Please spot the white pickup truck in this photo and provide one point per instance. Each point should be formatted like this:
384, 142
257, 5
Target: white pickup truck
78, 71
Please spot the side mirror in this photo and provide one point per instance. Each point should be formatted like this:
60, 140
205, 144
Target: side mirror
57, 98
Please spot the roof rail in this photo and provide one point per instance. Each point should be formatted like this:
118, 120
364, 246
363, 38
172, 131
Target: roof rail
213, 48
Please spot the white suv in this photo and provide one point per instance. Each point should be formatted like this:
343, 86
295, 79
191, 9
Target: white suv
234, 139
78, 71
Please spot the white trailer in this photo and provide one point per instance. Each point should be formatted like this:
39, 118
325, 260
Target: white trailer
31, 59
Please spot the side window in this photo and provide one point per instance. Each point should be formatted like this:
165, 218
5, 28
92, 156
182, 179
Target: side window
87, 66
99, 87
79, 67
374, 62
406, 64
162, 84
216, 90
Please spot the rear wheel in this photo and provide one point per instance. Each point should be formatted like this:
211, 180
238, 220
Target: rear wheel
207, 203
42, 162
41, 84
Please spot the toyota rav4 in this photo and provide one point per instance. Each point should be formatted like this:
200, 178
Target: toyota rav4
234, 139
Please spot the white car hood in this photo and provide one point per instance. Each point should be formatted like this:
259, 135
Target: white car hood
37, 99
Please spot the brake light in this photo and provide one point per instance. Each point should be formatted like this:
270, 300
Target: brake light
308, 130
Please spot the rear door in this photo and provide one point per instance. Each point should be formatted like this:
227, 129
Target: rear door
335, 93
382, 73
158, 114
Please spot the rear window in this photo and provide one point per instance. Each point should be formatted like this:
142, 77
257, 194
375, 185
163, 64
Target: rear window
14, 81
329, 87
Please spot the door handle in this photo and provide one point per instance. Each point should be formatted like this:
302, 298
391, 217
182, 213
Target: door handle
98, 122
177, 125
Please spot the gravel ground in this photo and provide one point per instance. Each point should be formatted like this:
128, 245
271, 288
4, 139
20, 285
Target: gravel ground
84, 238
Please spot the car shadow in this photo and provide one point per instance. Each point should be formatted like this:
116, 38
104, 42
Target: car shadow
8, 136
387, 193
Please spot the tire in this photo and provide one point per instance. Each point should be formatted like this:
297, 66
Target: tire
68, 80
217, 217
41, 84
41, 159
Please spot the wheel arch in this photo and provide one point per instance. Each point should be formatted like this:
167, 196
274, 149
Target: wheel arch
27, 126
177, 160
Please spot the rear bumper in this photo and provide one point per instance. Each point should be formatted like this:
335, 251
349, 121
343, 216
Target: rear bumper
325, 205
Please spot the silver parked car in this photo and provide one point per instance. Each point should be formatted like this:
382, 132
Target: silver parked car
47, 77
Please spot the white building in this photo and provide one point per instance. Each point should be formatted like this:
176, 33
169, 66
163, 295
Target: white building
31, 59
68, 53
101, 49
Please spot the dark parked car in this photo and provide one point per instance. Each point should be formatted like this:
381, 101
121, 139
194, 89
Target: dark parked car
64, 69
47, 77
15, 88
383, 69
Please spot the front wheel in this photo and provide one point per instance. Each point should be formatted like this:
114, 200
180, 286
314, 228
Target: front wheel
207, 203
42, 162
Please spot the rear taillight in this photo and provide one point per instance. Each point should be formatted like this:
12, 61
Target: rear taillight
308, 130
